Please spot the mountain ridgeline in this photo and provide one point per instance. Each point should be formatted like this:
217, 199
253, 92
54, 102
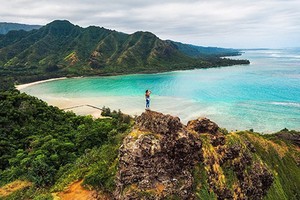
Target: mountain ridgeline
63, 49
6, 27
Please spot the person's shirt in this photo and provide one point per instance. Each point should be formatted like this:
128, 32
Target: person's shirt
147, 95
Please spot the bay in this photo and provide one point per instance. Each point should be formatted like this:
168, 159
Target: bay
264, 96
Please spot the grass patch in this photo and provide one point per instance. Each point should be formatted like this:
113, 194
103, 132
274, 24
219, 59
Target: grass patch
10, 188
201, 188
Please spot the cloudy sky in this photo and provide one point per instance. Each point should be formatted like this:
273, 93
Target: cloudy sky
224, 23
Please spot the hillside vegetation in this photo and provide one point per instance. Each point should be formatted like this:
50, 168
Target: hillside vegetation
43, 150
50, 148
63, 49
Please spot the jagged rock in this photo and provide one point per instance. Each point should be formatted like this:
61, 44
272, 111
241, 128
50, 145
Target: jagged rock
250, 146
256, 183
233, 152
156, 122
159, 161
203, 125
217, 140
291, 136
224, 193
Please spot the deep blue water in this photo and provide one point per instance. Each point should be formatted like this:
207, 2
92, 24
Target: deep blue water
264, 95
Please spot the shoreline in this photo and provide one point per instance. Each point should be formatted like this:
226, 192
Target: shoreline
23, 86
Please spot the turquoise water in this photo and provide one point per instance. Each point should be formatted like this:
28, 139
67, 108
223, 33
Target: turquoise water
264, 95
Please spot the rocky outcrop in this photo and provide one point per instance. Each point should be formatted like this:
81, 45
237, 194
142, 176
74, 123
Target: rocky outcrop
156, 122
292, 136
157, 159
203, 125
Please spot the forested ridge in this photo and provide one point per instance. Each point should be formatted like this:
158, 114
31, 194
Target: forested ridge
63, 49
5, 27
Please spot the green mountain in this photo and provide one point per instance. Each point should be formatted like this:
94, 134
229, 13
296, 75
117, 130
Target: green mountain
199, 51
45, 152
63, 49
6, 27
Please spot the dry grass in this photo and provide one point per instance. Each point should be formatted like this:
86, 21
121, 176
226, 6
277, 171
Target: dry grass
136, 133
13, 186
72, 58
238, 194
212, 164
160, 188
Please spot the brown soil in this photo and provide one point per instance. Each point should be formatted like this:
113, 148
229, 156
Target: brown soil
76, 192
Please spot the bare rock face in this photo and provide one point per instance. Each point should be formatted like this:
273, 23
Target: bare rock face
256, 183
203, 125
156, 122
157, 158
293, 137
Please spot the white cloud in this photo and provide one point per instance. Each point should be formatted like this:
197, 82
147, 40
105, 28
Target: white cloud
231, 23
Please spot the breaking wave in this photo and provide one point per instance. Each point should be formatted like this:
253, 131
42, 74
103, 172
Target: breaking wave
290, 104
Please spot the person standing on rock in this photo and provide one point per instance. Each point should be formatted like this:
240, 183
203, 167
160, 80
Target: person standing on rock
147, 96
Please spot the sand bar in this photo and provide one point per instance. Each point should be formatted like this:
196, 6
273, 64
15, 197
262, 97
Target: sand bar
22, 86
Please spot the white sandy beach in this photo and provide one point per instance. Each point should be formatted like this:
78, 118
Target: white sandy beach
22, 86
133, 106
81, 105
78, 106
129, 105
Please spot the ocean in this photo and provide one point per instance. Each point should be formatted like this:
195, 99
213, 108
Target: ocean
264, 96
